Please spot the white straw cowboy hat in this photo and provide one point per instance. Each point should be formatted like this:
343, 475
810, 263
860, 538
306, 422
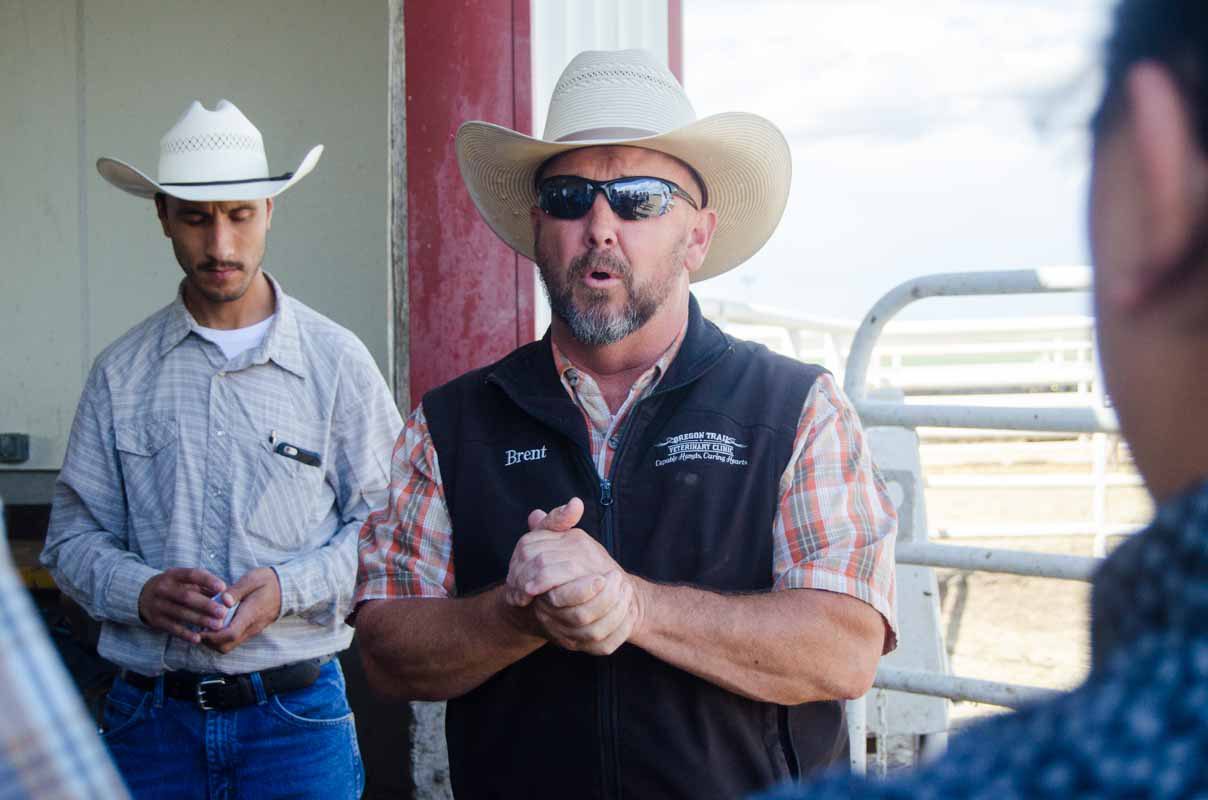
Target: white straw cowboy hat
209, 155
628, 97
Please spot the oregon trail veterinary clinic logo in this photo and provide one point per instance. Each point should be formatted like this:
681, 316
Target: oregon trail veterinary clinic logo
701, 446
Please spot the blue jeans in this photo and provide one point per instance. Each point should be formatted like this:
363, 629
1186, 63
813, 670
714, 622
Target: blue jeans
299, 744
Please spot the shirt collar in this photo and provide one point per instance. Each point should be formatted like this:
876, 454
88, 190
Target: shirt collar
282, 343
573, 378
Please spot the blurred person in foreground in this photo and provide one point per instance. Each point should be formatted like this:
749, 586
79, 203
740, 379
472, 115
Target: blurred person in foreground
49, 748
1138, 726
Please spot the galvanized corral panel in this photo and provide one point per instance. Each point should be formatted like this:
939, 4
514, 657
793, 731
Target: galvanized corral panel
921, 643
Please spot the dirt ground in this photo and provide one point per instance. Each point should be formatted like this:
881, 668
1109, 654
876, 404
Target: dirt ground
1015, 629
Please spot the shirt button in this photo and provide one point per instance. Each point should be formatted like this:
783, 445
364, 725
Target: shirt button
222, 433
222, 374
614, 441
572, 377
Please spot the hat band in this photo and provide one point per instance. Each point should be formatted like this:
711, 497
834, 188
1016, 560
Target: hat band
283, 177
606, 133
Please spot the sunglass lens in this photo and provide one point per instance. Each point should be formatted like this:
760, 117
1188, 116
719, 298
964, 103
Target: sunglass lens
566, 197
638, 198
570, 197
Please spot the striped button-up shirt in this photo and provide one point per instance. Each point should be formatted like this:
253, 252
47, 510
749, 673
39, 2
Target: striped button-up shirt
49, 748
176, 460
834, 529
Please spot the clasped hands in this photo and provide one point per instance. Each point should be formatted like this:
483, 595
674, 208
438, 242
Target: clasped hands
191, 604
575, 594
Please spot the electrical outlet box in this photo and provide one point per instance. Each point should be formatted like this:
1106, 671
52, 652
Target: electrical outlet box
14, 448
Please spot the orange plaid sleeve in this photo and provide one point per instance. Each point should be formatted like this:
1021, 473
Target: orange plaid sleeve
406, 548
837, 524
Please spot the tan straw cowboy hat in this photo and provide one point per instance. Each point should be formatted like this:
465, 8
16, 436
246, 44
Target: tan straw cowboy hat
628, 97
209, 155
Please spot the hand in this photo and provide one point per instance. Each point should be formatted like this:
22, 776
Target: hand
543, 528
258, 594
178, 600
554, 553
597, 625
584, 600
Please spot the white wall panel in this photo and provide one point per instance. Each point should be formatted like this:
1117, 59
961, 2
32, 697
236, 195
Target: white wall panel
42, 319
81, 262
563, 28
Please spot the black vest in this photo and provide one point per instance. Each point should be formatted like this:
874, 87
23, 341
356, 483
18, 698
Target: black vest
691, 498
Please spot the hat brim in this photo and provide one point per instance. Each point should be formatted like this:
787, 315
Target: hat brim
742, 158
132, 180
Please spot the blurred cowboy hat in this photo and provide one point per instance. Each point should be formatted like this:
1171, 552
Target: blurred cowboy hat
629, 97
209, 155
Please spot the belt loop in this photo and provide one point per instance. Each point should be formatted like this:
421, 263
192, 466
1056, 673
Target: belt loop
258, 688
158, 690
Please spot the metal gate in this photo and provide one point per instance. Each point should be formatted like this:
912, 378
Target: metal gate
914, 684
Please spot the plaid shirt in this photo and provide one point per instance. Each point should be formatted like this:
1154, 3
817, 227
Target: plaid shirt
175, 460
834, 531
49, 748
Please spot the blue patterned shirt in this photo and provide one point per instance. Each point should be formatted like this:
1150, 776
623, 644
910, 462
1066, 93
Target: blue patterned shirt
173, 462
49, 748
1137, 727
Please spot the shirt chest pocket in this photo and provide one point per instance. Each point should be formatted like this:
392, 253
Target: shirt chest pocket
289, 494
147, 452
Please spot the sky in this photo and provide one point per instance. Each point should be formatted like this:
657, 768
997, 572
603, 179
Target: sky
927, 136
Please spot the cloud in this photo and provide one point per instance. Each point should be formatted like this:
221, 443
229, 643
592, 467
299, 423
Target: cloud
926, 137
880, 69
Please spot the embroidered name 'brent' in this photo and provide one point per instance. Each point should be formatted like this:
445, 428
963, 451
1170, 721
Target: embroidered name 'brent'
701, 446
516, 456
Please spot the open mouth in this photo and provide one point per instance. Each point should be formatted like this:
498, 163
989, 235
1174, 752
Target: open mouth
599, 279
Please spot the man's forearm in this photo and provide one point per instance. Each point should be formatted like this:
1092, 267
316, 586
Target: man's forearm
440, 648
786, 647
92, 565
103, 579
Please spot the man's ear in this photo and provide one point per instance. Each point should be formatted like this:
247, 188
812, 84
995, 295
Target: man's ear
268, 213
161, 210
1170, 171
700, 236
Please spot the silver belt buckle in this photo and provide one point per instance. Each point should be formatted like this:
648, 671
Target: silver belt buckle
201, 692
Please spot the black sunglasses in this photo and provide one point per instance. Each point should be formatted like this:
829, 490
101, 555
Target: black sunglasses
632, 198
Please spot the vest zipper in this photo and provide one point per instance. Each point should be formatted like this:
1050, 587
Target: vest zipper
610, 752
606, 698
605, 672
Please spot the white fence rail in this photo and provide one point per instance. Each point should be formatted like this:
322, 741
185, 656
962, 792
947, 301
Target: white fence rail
931, 356
1019, 381
952, 687
944, 363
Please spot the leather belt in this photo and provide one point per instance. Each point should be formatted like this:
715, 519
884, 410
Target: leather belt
218, 692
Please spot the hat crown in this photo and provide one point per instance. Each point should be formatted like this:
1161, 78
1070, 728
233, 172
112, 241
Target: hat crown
616, 94
207, 146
